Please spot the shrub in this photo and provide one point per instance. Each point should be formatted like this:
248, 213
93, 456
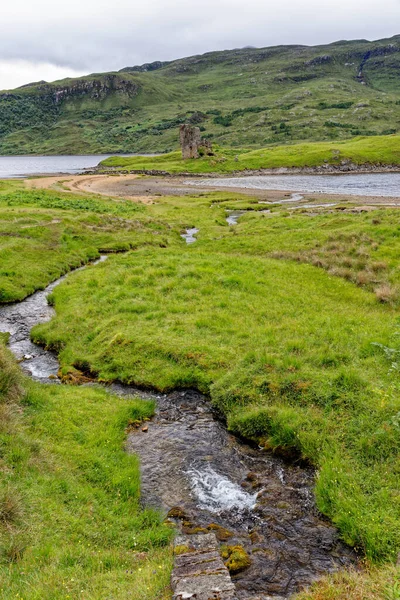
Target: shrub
386, 293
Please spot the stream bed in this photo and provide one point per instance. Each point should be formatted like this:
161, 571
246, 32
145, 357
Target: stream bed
208, 480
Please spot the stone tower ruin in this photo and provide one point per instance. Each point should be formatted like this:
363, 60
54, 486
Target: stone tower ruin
192, 144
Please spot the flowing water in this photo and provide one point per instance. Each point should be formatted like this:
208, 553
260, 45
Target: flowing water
363, 184
210, 479
189, 235
213, 481
234, 216
19, 318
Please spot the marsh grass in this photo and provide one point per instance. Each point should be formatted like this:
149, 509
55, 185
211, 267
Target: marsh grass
56, 232
372, 584
351, 258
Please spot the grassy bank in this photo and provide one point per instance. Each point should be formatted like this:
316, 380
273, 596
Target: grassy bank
70, 521
380, 150
286, 350
382, 584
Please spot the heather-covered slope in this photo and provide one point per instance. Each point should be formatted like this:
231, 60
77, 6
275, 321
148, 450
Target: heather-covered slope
247, 97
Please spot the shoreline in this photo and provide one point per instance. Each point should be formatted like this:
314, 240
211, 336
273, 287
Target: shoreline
326, 169
147, 189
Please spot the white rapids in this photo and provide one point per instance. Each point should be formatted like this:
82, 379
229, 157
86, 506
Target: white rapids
217, 493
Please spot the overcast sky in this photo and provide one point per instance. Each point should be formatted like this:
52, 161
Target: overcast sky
43, 39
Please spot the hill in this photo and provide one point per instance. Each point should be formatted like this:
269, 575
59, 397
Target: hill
245, 97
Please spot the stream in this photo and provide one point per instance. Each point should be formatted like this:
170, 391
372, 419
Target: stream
204, 478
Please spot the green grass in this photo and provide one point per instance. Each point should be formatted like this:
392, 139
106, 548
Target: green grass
381, 150
70, 521
44, 234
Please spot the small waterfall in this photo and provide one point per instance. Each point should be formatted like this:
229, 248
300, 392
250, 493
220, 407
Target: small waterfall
217, 493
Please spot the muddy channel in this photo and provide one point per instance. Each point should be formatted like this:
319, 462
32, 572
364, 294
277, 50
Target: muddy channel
208, 480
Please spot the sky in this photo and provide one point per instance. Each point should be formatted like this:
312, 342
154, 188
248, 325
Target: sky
43, 39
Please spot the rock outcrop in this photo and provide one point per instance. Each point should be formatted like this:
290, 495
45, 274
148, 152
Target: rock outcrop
199, 572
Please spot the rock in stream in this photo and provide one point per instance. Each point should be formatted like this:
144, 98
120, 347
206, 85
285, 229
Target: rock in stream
248, 497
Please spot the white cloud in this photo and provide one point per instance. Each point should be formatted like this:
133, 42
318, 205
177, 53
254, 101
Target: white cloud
98, 35
14, 73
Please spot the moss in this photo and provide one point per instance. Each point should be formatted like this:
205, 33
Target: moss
182, 549
236, 558
255, 537
75, 377
221, 533
193, 530
177, 513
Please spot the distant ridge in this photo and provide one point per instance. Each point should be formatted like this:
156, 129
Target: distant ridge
248, 97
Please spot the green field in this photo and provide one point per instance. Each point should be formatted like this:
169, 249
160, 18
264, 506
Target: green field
45, 234
242, 98
289, 321
382, 150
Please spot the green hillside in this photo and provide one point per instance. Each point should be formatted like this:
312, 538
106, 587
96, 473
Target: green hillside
246, 97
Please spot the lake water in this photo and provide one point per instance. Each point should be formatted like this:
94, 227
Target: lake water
364, 184
12, 167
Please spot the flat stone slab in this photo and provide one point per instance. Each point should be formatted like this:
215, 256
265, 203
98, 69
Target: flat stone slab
199, 572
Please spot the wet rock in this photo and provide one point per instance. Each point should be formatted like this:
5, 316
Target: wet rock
200, 573
145, 429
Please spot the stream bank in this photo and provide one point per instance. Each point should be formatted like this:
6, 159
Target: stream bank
207, 480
